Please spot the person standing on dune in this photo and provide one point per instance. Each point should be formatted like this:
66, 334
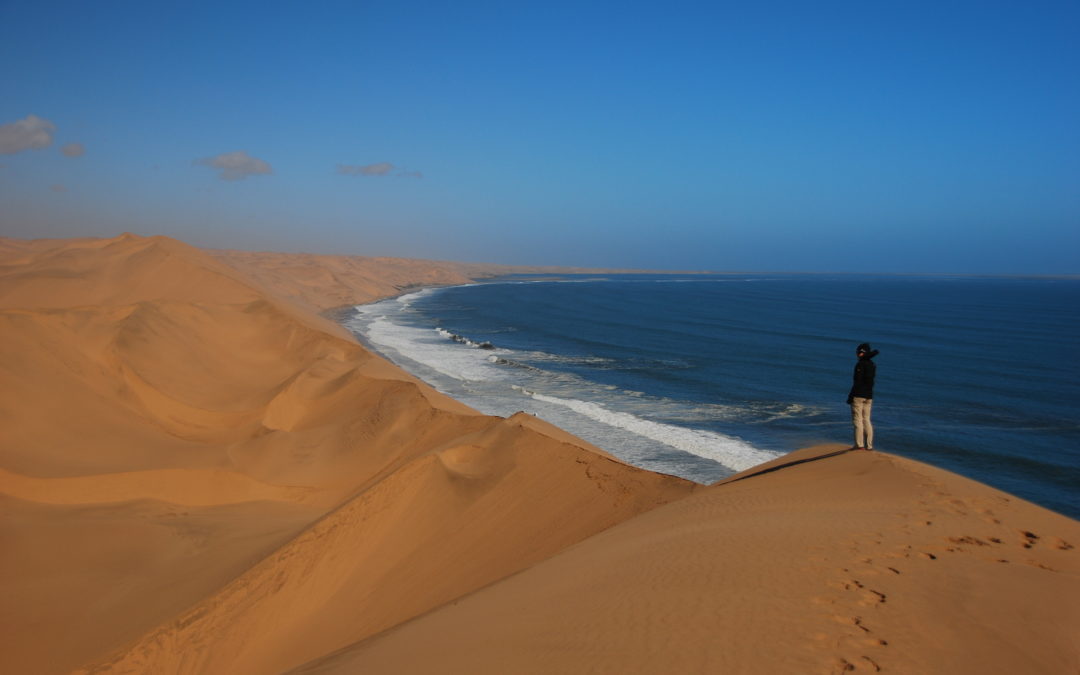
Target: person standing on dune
861, 396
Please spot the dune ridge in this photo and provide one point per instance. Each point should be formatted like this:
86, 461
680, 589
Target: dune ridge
836, 562
321, 282
169, 404
449, 522
201, 474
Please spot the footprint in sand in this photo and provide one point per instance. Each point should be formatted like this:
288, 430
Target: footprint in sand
862, 663
989, 516
872, 597
1042, 566
968, 539
855, 621
1028, 539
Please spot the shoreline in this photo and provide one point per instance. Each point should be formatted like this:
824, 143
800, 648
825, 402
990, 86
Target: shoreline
693, 453
829, 422
205, 475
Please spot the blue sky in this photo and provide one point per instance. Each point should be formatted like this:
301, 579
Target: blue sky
771, 136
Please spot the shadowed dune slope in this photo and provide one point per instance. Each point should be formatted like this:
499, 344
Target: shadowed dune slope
180, 441
857, 562
79, 580
471, 512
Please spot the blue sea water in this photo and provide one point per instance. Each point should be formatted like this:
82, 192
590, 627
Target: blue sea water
704, 375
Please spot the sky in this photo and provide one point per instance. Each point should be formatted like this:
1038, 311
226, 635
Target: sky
937, 137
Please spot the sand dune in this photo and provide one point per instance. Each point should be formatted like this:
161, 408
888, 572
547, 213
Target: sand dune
856, 562
321, 282
163, 410
474, 511
185, 487
78, 581
199, 474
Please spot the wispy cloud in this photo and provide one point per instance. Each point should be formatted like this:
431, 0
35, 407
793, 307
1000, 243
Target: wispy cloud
378, 169
57, 187
236, 165
73, 150
29, 133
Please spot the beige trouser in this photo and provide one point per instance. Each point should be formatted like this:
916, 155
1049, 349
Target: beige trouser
860, 417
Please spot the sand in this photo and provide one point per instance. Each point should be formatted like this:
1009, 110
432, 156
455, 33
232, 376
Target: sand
199, 473
322, 282
858, 562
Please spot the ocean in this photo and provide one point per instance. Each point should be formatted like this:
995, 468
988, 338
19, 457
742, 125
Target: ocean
701, 376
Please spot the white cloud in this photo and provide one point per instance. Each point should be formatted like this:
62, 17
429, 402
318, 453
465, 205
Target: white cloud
236, 165
73, 150
30, 133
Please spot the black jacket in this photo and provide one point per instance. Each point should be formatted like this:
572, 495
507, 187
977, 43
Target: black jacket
863, 379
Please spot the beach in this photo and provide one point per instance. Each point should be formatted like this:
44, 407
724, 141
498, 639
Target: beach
202, 472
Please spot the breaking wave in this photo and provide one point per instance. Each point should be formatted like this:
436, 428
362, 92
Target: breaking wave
630, 424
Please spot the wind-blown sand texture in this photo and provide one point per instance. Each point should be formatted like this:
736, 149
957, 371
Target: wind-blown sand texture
199, 474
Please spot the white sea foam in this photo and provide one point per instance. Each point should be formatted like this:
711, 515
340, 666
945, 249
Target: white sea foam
422, 347
793, 410
494, 380
733, 453
578, 360
403, 301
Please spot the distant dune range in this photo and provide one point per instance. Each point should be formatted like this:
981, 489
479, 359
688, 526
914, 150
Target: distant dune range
201, 474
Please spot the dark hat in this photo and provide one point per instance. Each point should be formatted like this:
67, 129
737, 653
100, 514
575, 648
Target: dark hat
864, 347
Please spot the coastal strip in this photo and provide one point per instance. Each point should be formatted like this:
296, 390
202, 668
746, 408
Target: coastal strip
360, 521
